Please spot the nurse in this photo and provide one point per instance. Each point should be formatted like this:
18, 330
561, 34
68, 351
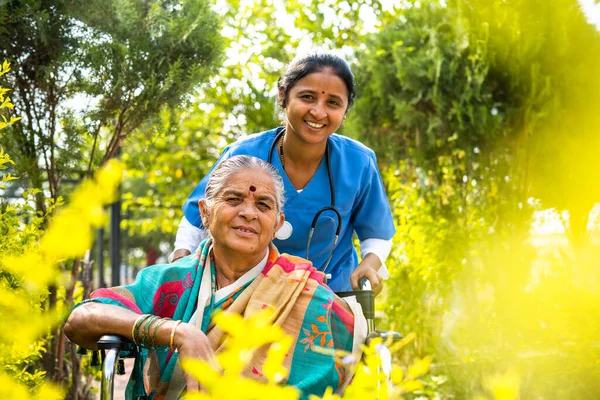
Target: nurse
322, 171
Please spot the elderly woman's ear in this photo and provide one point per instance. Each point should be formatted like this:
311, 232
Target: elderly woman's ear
203, 212
280, 222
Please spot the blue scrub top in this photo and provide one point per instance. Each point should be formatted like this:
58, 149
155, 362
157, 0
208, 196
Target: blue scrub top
359, 193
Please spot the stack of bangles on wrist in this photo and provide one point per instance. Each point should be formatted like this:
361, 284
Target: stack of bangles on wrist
140, 333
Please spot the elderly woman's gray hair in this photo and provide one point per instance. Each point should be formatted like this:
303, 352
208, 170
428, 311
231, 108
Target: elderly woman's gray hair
229, 167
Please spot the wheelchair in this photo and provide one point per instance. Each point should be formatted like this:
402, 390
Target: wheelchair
113, 348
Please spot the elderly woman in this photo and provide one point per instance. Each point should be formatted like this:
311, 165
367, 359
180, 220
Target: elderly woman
236, 269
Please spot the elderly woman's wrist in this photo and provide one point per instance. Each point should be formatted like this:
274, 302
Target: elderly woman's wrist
180, 333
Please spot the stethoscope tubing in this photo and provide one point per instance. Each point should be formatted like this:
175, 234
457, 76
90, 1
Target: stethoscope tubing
331, 207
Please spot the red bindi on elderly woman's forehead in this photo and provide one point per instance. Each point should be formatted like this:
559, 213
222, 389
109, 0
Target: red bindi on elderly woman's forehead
252, 188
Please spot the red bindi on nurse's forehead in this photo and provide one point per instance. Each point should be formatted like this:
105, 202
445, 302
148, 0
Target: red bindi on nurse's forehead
252, 188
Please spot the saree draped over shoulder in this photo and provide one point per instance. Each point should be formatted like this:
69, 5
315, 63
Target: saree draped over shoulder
305, 308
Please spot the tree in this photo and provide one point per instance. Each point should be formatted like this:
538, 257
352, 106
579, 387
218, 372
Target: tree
492, 77
87, 74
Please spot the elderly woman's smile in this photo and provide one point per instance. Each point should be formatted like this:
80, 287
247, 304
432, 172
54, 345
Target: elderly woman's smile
247, 230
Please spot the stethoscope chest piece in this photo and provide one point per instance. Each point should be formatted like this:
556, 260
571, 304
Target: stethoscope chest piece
285, 231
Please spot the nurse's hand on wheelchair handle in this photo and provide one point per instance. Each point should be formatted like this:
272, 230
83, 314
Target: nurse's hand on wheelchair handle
180, 253
368, 269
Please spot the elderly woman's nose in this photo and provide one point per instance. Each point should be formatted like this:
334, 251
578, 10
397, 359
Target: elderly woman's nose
248, 210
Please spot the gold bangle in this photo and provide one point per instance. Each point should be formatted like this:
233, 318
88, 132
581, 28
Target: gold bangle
133, 328
173, 333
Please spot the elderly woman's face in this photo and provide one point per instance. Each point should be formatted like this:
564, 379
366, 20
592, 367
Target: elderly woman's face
244, 217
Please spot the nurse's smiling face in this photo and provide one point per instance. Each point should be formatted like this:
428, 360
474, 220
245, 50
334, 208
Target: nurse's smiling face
315, 106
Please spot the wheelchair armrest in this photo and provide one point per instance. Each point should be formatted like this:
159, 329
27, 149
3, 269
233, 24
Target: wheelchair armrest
111, 348
108, 342
389, 337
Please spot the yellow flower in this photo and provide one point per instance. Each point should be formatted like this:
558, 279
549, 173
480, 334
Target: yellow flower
419, 367
69, 235
273, 366
34, 270
50, 392
245, 336
9, 389
328, 395
109, 178
504, 386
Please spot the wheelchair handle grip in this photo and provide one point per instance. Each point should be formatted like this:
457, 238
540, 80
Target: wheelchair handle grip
365, 297
389, 337
364, 284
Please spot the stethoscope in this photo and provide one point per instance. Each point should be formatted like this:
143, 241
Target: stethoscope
331, 207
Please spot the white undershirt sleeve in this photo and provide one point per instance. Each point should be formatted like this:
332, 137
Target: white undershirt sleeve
188, 237
381, 248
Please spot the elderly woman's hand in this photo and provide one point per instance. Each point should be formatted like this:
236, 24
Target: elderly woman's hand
191, 342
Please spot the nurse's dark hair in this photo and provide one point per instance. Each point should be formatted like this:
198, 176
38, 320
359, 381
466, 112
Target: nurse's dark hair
315, 62
219, 178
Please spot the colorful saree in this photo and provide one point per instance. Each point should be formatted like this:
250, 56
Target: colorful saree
304, 307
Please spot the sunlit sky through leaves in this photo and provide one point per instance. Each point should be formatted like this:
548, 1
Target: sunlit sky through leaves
591, 8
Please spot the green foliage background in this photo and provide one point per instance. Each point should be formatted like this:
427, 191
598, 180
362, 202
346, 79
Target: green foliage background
484, 114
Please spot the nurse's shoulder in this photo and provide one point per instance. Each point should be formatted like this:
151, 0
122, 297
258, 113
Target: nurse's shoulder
352, 150
256, 144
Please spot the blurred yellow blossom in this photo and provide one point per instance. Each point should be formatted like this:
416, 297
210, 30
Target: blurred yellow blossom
419, 367
68, 224
9, 390
328, 395
245, 337
273, 367
108, 180
504, 386
29, 272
